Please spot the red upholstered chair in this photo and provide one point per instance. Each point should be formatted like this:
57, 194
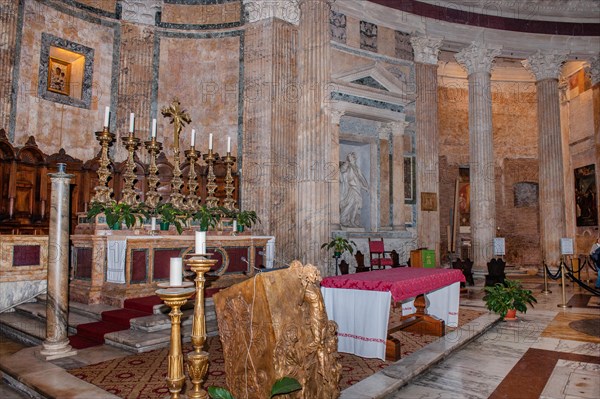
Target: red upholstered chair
380, 258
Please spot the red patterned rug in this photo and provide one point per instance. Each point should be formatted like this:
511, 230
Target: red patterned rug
142, 376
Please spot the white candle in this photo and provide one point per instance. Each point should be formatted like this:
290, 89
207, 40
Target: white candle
176, 272
235, 225
153, 226
228, 144
201, 242
131, 122
193, 137
106, 116
153, 128
210, 141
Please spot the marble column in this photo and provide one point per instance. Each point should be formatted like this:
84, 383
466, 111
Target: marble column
478, 60
398, 218
426, 52
9, 12
314, 142
334, 204
56, 344
546, 68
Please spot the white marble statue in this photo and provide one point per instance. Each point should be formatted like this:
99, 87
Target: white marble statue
352, 184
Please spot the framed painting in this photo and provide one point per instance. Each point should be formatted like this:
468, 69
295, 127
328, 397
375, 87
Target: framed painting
428, 201
59, 76
586, 194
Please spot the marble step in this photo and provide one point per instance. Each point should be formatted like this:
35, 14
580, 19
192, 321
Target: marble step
23, 328
161, 321
37, 310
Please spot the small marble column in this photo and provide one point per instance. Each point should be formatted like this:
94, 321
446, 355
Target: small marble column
477, 60
56, 344
426, 52
546, 68
398, 219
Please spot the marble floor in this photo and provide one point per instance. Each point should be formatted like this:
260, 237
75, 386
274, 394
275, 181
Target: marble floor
550, 352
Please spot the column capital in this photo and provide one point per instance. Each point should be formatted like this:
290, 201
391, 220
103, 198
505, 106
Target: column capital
545, 65
593, 69
335, 115
287, 10
477, 57
141, 12
397, 127
426, 49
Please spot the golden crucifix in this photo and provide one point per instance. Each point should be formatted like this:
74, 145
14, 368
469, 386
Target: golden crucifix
178, 118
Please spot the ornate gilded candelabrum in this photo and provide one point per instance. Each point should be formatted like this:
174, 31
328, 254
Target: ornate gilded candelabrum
211, 185
197, 361
103, 192
177, 199
192, 201
152, 196
229, 202
129, 196
175, 297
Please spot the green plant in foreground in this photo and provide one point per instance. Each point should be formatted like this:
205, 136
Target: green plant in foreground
511, 295
280, 387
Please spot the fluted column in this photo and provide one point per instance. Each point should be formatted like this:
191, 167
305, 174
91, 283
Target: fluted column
9, 11
398, 218
56, 344
546, 68
314, 143
334, 203
477, 60
427, 144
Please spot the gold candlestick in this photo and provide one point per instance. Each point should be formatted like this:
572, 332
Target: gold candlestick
177, 199
192, 202
175, 298
198, 359
152, 196
179, 117
102, 191
211, 186
229, 202
129, 196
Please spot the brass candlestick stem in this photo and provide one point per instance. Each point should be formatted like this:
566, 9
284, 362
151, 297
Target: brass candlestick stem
229, 202
102, 191
211, 185
198, 359
193, 201
175, 298
152, 196
129, 196
177, 199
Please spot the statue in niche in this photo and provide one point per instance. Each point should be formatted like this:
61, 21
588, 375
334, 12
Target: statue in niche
352, 184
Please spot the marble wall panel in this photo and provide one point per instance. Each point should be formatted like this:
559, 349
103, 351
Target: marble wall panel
104, 5
201, 14
28, 270
352, 33
386, 41
581, 122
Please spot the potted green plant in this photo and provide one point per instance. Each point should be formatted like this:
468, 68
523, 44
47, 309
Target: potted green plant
207, 217
508, 298
339, 245
246, 219
280, 387
117, 213
170, 215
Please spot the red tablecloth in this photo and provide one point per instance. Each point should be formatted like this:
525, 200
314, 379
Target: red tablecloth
403, 283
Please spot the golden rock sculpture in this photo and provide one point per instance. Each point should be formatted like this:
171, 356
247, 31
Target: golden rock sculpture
275, 325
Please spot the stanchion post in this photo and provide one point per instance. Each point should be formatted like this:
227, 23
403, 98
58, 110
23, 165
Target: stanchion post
564, 293
545, 290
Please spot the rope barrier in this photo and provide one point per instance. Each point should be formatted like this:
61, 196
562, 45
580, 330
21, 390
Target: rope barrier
553, 276
582, 284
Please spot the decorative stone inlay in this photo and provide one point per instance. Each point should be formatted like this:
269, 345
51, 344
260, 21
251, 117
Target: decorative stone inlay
477, 58
140, 11
426, 49
287, 10
593, 69
545, 65
337, 26
368, 36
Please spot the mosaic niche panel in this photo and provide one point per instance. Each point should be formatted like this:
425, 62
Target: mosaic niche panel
526, 195
586, 195
403, 49
368, 36
337, 26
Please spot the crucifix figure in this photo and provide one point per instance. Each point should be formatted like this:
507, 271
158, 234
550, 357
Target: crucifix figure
178, 118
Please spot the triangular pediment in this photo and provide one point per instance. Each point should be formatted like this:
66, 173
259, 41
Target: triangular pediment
373, 76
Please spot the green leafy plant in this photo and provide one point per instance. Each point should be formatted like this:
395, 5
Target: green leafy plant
511, 295
246, 219
207, 217
171, 215
339, 245
282, 386
117, 213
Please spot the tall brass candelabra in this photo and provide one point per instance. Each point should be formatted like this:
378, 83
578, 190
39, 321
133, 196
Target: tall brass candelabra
192, 201
102, 191
129, 196
229, 202
177, 199
197, 360
152, 196
211, 185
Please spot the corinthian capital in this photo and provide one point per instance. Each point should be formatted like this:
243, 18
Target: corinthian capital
287, 10
426, 49
140, 11
477, 58
545, 65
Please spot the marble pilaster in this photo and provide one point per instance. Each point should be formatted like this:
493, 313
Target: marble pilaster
398, 217
426, 52
286, 10
8, 49
478, 60
335, 117
56, 344
546, 68
314, 141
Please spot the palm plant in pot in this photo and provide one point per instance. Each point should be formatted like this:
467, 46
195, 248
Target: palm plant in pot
339, 245
207, 217
170, 215
246, 219
508, 298
117, 213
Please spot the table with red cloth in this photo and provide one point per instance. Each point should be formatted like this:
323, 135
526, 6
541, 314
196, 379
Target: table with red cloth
360, 303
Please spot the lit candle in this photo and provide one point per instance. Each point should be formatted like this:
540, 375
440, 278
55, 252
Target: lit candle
228, 144
153, 128
210, 141
106, 116
153, 226
176, 272
131, 122
193, 137
201, 242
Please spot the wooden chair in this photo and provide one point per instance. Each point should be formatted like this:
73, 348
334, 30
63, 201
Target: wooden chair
379, 257
360, 262
495, 272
